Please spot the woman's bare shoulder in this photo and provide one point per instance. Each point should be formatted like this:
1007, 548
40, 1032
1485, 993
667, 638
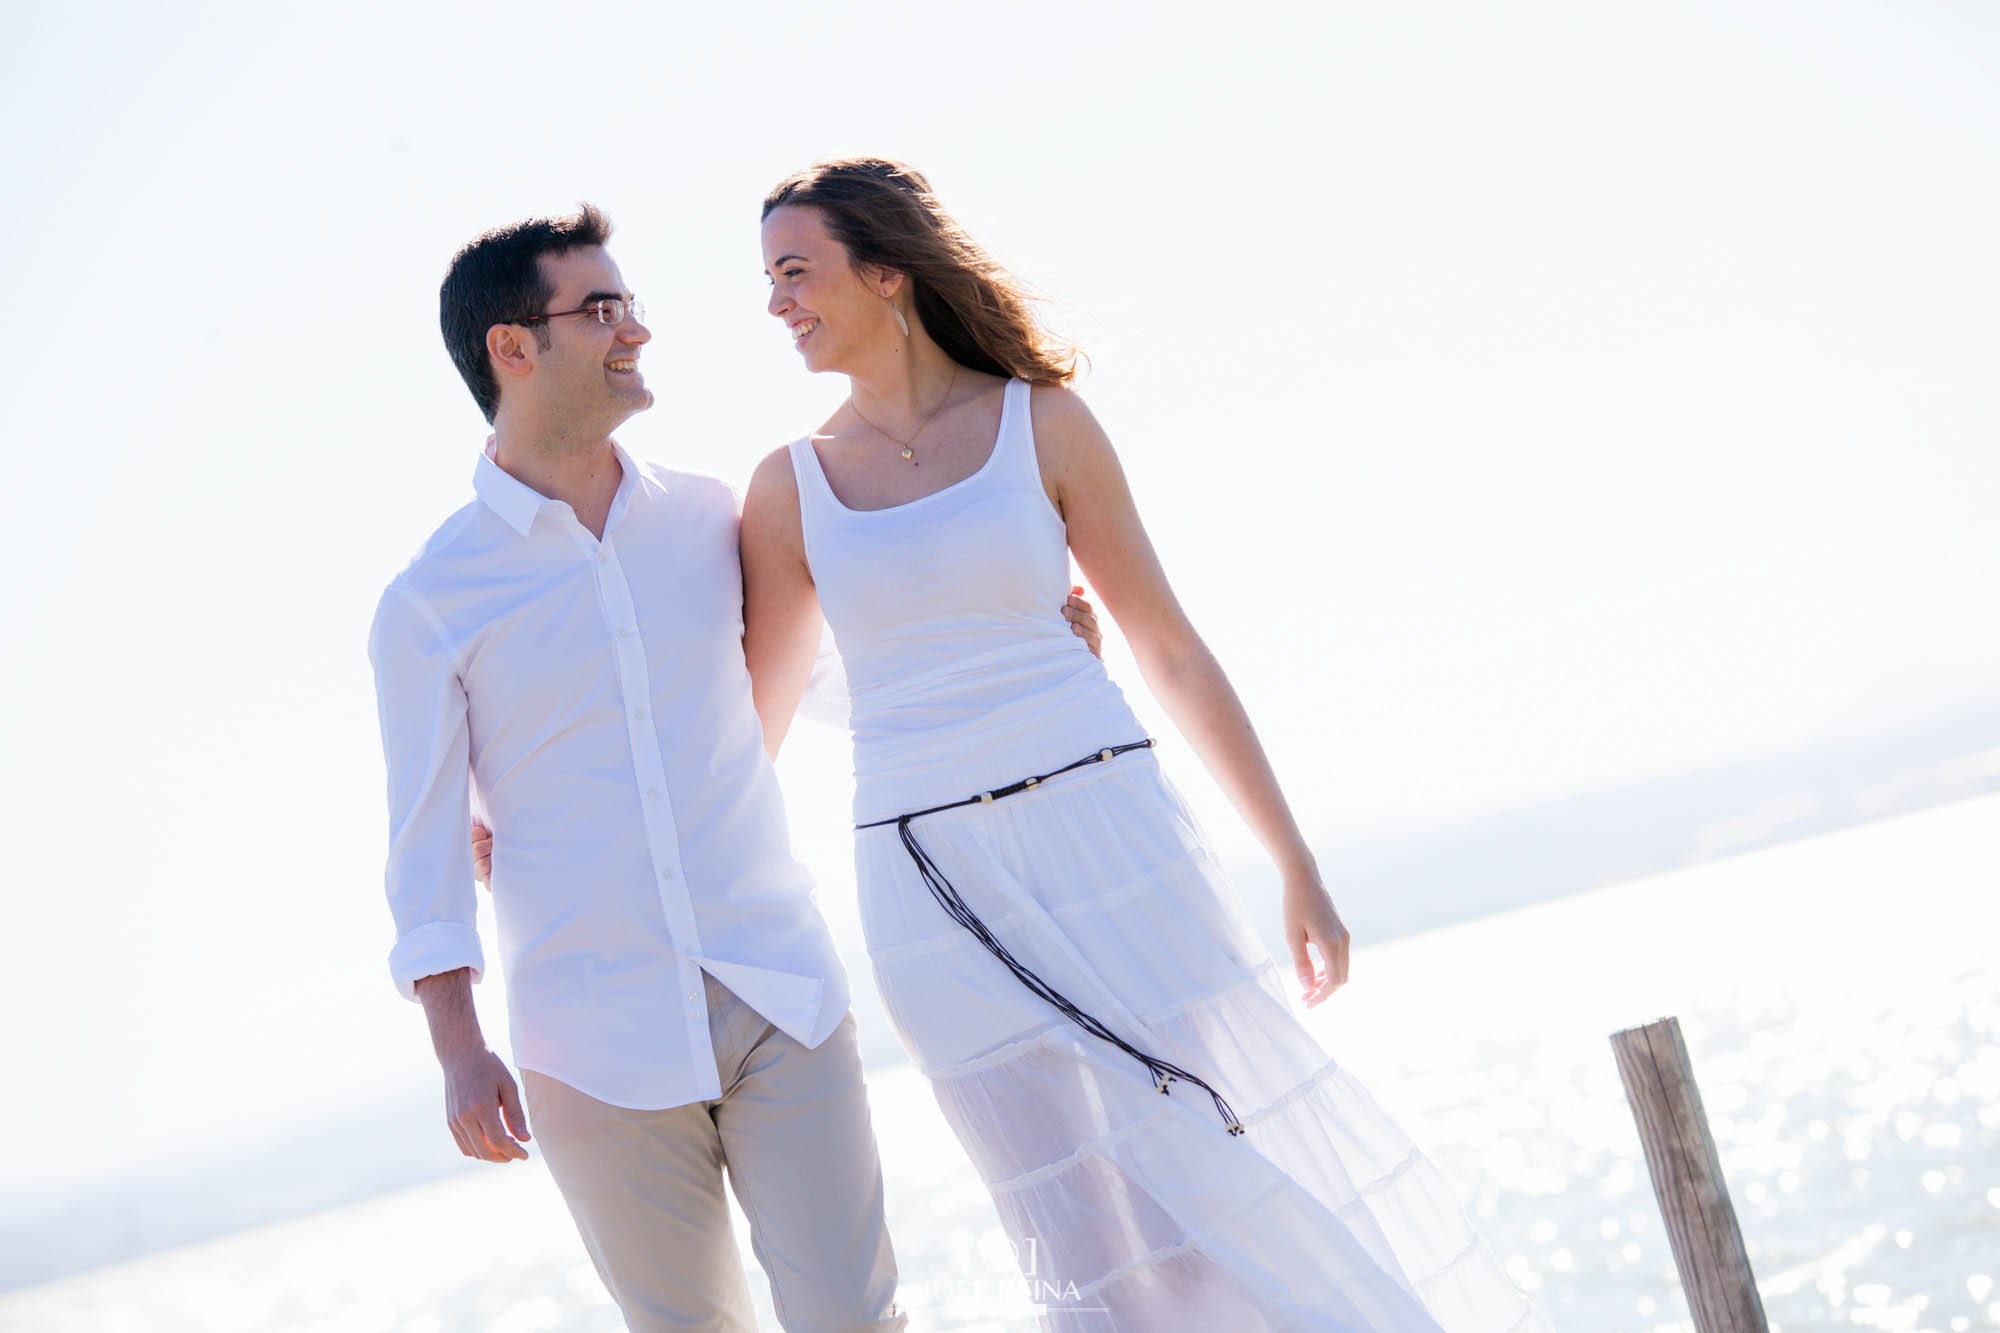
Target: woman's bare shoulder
772, 501
1067, 434
773, 475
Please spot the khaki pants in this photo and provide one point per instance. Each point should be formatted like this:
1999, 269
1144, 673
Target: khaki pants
791, 1126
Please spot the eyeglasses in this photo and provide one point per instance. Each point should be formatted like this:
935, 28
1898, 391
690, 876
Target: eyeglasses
610, 310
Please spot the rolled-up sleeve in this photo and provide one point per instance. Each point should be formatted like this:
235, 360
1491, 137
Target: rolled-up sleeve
420, 697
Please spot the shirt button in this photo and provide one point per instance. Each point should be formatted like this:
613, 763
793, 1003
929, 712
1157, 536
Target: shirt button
666, 874
653, 792
639, 713
624, 633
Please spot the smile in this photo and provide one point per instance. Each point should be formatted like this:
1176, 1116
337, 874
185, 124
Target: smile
803, 330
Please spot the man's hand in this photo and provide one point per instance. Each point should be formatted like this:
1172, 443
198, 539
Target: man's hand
483, 1108
1082, 617
482, 853
481, 1104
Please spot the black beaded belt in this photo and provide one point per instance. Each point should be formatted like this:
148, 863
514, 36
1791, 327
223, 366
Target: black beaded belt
1164, 1074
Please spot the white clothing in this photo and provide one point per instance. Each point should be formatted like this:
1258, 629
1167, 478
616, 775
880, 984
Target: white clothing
948, 615
1144, 1214
1141, 1211
591, 698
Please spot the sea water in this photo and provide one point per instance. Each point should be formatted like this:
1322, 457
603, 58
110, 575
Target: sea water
1839, 996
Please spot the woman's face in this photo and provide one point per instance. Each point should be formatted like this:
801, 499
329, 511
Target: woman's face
833, 312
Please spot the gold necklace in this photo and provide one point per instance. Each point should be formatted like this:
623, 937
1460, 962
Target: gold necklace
908, 452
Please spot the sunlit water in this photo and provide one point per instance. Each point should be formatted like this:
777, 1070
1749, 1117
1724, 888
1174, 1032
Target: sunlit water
1839, 997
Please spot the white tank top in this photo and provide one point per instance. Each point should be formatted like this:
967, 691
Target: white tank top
947, 611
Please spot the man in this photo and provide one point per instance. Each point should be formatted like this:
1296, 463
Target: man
565, 657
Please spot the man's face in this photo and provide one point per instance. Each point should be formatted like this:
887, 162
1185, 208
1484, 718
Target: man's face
589, 373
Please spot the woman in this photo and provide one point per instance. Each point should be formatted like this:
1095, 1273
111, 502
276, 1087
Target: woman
1049, 930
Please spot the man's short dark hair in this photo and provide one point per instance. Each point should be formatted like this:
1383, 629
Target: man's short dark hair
497, 280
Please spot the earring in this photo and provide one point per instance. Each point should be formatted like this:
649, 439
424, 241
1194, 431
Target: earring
901, 323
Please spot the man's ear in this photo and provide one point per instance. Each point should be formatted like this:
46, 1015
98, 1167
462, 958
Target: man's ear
511, 349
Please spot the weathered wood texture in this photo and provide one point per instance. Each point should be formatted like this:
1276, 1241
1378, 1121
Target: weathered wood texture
1687, 1178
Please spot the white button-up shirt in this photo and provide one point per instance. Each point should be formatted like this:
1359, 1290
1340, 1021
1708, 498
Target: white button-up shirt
589, 700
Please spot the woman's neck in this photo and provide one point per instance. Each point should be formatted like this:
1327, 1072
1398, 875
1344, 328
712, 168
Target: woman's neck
904, 385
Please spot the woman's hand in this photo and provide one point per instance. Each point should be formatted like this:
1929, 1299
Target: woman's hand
482, 853
1082, 617
1310, 920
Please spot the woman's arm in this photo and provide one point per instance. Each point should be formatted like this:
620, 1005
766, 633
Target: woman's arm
781, 617
1083, 475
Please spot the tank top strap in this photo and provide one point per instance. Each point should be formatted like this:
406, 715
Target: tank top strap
816, 498
1015, 447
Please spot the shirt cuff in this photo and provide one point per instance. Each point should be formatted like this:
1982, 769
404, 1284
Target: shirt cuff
438, 946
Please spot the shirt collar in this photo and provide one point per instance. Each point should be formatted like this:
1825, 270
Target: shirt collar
629, 482
517, 503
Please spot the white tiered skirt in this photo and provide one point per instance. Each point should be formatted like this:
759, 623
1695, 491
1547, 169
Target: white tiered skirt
1140, 1212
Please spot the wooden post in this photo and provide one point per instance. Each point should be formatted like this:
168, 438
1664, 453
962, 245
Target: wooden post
1680, 1153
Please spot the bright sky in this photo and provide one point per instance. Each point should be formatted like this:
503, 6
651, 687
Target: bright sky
1525, 400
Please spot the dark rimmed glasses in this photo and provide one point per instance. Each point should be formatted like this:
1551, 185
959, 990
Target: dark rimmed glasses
611, 310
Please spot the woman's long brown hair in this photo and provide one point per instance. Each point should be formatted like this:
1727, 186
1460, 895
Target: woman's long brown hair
978, 313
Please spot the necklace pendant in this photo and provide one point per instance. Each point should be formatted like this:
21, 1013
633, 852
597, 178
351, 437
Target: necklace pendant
909, 452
